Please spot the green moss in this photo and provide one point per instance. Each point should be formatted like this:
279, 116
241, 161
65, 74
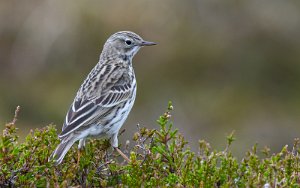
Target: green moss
158, 158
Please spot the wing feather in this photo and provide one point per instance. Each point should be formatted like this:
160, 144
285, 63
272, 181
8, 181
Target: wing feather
83, 110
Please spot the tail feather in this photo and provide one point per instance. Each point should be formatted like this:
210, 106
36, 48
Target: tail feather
61, 150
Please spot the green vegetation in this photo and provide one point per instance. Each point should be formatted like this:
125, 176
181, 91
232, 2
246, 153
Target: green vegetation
158, 158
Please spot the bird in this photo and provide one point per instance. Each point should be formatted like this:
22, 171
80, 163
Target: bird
105, 98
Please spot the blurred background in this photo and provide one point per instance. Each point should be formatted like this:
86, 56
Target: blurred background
226, 65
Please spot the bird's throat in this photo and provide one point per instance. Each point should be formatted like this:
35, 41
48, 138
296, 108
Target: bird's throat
124, 57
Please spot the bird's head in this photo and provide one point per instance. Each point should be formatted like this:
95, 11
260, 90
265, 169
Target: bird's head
125, 43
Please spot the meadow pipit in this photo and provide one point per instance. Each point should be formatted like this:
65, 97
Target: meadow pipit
106, 96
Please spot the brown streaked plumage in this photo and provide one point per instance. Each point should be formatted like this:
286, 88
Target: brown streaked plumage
106, 96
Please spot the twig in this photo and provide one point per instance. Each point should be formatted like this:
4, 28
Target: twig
16, 115
121, 132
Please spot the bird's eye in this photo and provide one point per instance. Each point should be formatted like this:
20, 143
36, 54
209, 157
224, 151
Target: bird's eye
128, 42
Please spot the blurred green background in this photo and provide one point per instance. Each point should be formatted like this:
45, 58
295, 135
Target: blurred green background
226, 65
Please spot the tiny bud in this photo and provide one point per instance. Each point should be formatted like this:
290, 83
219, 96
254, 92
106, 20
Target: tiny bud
136, 136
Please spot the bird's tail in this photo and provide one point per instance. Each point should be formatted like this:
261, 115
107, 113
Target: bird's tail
61, 150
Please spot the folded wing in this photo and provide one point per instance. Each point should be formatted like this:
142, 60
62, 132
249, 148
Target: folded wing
84, 112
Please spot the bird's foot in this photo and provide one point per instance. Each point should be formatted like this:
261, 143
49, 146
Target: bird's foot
79, 153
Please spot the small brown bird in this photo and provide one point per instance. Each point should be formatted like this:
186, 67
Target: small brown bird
106, 96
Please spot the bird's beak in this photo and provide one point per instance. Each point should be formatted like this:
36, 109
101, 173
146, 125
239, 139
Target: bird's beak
147, 43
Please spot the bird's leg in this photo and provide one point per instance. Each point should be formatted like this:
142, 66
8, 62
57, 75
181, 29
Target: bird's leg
114, 143
78, 155
81, 146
